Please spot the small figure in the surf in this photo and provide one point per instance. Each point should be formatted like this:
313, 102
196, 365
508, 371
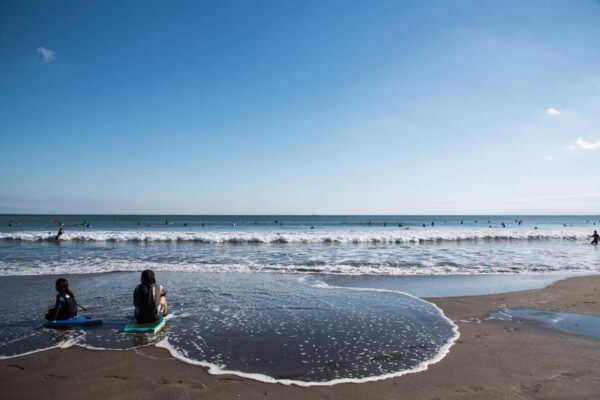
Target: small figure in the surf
66, 305
59, 234
595, 238
149, 299
503, 225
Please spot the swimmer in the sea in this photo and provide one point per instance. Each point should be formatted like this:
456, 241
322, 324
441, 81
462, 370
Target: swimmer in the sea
595, 238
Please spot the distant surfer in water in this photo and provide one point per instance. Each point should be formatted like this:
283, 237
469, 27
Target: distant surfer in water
595, 238
59, 234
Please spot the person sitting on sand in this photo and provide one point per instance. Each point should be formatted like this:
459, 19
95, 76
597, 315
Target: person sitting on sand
595, 238
65, 306
149, 299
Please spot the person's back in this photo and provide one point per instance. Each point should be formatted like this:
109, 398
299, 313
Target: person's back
148, 299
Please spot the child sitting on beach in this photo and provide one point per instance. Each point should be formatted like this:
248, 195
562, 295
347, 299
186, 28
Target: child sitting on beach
149, 299
65, 306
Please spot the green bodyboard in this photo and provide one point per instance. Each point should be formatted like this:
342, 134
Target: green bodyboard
151, 327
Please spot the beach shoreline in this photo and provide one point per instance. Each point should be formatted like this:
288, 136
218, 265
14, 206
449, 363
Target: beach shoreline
492, 359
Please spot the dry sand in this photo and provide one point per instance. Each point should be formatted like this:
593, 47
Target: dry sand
491, 360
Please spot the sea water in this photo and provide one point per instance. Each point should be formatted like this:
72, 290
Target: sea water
292, 299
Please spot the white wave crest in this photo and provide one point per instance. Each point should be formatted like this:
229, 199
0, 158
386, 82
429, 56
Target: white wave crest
328, 237
419, 268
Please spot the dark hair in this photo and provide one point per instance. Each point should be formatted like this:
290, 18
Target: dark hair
62, 286
148, 277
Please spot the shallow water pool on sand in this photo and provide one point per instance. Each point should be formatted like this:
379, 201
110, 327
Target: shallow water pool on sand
274, 326
577, 324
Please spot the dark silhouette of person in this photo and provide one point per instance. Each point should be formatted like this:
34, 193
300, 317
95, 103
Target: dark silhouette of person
503, 225
59, 234
595, 238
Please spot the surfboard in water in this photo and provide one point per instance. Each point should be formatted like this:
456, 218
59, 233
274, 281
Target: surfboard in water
150, 327
73, 322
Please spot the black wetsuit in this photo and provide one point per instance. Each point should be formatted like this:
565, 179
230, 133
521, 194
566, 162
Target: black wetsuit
64, 308
595, 238
146, 299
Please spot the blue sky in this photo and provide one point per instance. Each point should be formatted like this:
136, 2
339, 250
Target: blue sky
331, 107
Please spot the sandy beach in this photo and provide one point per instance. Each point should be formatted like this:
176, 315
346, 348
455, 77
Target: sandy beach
492, 359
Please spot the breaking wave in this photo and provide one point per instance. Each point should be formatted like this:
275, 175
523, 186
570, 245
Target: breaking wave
383, 237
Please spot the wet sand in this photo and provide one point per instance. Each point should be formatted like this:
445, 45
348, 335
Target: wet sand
491, 360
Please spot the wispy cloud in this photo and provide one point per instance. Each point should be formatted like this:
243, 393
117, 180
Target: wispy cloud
47, 54
552, 111
581, 144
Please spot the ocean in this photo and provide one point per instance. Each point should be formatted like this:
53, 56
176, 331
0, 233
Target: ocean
293, 299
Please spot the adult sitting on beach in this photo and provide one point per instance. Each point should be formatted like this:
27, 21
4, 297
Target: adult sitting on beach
149, 299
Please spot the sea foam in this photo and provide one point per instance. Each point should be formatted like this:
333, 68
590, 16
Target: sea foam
332, 237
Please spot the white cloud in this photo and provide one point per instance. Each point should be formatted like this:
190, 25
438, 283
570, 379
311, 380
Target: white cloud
552, 111
48, 54
581, 144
